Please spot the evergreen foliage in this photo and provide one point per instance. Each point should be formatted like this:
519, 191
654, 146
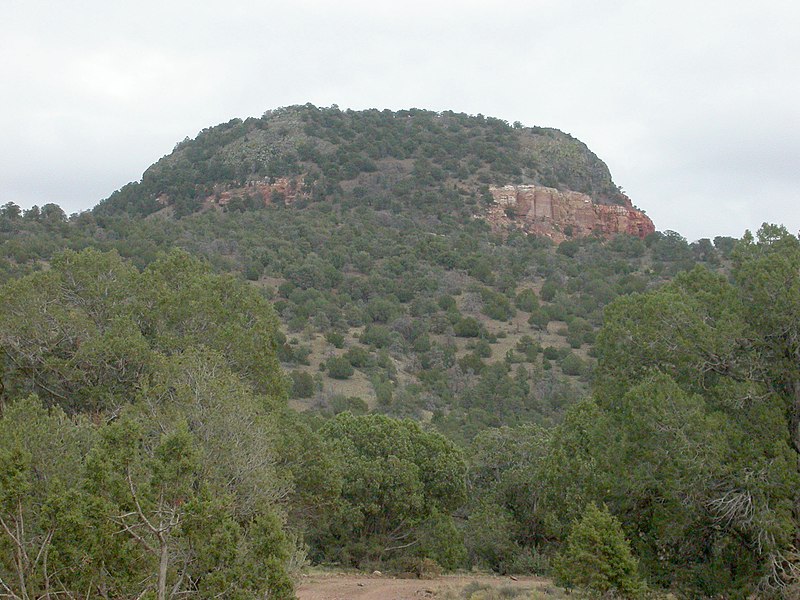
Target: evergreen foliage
493, 392
598, 558
399, 483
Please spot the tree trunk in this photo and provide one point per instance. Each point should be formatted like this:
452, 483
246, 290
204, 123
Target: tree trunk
162, 568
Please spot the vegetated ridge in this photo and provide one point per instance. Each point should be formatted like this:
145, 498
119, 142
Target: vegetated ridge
306, 153
573, 397
434, 173
368, 231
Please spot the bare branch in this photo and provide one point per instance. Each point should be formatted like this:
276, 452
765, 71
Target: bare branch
400, 547
136, 502
129, 529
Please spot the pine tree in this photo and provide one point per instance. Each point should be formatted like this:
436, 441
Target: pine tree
598, 558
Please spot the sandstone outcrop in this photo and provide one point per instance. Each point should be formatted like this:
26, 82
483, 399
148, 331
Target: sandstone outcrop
560, 215
280, 190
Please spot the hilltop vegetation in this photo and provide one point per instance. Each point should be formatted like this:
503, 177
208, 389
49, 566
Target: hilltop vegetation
369, 376
382, 159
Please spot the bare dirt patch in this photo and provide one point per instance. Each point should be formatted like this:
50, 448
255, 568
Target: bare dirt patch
371, 587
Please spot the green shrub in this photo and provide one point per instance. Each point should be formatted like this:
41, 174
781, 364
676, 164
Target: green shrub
495, 305
580, 330
353, 404
568, 248
335, 339
379, 336
528, 347
551, 353
302, 384
574, 340
489, 536
339, 367
598, 558
549, 290
447, 302
467, 327
453, 316
253, 270
442, 542
383, 310
294, 354
384, 390
556, 312
526, 300
539, 318
421, 568
471, 362
359, 357
572, 364
483, 349
628, 246
384, 361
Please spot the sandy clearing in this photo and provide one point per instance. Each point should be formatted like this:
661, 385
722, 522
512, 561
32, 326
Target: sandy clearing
371, 587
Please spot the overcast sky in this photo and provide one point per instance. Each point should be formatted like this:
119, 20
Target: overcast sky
694, 105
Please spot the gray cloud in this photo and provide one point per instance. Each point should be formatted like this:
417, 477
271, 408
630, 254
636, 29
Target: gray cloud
692, 105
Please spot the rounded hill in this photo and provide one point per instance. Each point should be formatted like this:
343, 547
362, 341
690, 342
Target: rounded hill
392, 159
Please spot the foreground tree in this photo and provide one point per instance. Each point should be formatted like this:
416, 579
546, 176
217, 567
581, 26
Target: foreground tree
598, 558
170, 486
767, 276
41, 458
396, 480
83, 334
127, 509
693, 388
506, 520
185, 526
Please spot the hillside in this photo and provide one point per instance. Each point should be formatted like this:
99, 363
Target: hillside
361, 228
384, 158
406, 341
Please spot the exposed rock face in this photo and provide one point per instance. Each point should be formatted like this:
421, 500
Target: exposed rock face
281, 190
559, 215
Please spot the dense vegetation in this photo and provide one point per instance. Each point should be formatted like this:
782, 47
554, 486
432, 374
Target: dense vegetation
371, 377
377, 158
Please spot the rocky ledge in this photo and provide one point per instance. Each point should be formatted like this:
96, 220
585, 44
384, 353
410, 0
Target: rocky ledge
560, 215
281, 190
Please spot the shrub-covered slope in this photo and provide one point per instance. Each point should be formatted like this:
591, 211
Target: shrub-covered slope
143, 394
386, 156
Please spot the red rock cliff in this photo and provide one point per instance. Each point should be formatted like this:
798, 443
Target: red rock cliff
559, 215
282, 189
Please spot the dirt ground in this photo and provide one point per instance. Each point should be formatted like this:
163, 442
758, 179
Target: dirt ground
373, 587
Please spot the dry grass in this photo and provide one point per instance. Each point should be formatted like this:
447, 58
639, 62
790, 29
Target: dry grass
502, 590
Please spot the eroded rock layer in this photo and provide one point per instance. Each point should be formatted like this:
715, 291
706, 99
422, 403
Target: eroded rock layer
560, 215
